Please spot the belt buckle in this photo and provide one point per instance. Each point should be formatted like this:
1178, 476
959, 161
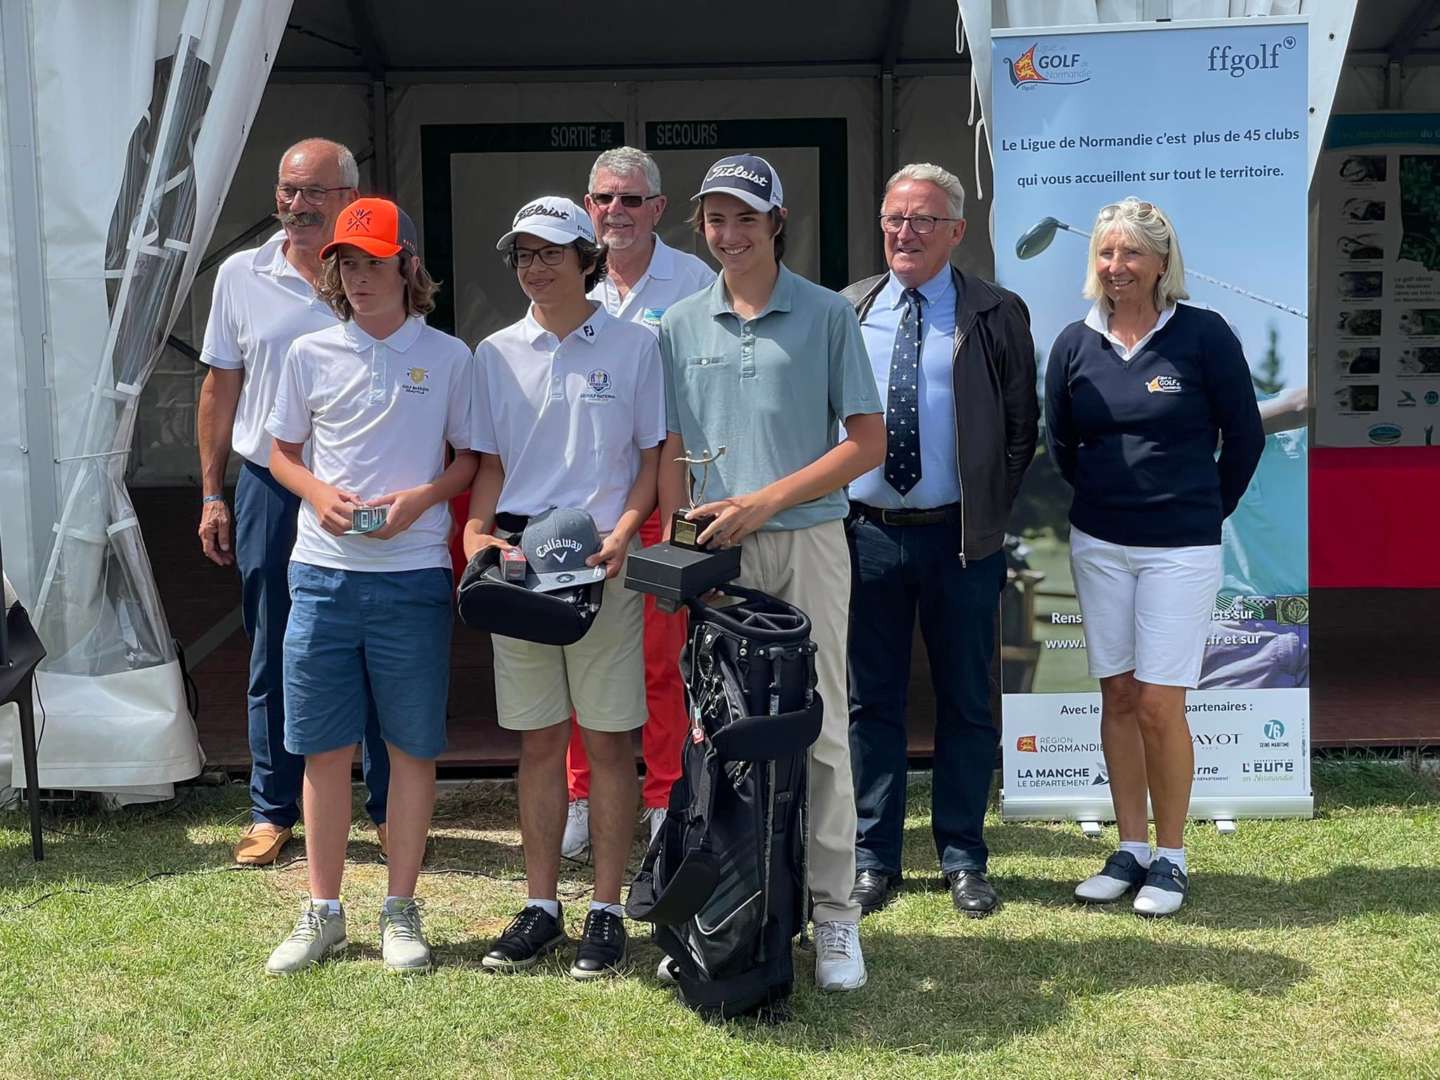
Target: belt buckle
885, 518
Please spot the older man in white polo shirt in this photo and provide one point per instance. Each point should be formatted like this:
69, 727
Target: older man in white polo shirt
568, 412
264, 299
643, 276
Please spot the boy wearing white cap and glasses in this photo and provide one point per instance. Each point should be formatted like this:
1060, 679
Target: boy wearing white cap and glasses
768, 365
568, 411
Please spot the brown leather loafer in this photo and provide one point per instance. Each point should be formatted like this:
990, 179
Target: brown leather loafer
261, 843
382, 837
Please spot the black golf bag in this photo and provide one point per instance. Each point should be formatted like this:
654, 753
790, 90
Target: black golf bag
724, 880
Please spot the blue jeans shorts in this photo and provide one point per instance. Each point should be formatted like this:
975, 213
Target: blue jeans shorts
355, 635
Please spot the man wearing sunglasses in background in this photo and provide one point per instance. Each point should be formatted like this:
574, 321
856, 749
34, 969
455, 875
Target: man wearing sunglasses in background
264, 299
955, 365
644, 276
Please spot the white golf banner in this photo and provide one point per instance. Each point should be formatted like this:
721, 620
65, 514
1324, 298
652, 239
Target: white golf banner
1207, 121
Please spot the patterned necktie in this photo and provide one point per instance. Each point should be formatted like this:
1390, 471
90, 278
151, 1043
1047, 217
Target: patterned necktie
902, 415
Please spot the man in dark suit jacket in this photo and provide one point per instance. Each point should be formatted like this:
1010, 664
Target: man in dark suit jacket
953, 355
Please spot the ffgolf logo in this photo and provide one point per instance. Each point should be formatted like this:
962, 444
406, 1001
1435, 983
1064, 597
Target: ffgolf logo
1385, 434
1239, 64
1163, 384
1043, 64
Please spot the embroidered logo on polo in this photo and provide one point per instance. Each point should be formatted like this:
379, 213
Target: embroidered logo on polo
1163, 384
599, 386
416, 379
651, 316
359, 220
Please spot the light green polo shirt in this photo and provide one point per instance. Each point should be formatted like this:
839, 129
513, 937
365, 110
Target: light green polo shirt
772, 390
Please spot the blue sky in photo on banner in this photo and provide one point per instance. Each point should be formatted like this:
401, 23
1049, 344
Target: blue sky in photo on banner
1249, 232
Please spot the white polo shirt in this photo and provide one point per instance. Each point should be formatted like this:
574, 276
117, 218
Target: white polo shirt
672, 275
261, 304
568, 419
378, 415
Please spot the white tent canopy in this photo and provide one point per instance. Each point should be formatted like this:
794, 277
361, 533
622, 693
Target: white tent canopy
114, 172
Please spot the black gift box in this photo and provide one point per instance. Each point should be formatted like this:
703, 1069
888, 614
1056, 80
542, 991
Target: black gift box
674, 574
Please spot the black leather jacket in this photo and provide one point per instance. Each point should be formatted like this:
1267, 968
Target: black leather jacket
996, 409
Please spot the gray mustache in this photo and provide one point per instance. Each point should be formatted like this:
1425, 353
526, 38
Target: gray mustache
305, 217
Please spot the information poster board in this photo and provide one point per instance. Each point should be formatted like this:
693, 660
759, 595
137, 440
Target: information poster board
1208, 121
1377, 287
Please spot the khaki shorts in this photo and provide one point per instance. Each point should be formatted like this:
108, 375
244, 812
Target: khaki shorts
600, 678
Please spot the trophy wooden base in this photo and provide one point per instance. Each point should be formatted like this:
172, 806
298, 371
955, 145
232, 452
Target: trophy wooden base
685, 532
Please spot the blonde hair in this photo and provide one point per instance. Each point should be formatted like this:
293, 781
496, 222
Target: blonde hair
420, 287
1146, 226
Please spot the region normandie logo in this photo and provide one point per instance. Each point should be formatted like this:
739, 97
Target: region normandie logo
1023, 70
1025, 744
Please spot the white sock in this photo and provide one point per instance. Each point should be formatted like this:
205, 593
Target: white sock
551, 907
333, 905
1175, 854
1140, 849
614, 909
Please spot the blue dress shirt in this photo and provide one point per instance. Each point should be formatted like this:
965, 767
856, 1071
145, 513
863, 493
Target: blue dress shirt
939, 481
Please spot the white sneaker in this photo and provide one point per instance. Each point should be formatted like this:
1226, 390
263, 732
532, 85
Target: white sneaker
1165, 888
318, 935
655, 815
576, 841
1121, 875
666, 971
402, 942
839, 964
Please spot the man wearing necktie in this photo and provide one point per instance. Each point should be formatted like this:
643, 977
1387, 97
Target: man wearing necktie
954, 358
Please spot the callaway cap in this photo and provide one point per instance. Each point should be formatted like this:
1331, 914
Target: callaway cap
556, 545
749, 177
376, 226
550, 217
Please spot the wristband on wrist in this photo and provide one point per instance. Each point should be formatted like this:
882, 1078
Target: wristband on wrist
212, 498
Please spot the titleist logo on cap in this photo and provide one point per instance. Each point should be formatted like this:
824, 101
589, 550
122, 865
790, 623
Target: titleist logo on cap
540, 208
740, 172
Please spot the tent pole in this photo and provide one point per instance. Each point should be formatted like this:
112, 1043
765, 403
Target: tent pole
32, 303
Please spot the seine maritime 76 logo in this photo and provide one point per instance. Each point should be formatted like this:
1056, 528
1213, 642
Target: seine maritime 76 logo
1047, 65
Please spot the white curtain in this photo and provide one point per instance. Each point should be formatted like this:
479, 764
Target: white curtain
140, 111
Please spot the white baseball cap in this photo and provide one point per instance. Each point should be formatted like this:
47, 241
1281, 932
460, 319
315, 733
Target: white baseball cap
550, 217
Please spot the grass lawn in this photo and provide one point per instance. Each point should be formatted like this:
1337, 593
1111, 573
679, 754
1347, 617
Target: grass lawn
1308, 949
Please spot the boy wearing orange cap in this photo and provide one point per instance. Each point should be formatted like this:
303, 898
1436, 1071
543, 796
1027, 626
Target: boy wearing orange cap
377, 397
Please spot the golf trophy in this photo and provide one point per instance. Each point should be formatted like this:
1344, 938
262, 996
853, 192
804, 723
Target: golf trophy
685, 530
684, 569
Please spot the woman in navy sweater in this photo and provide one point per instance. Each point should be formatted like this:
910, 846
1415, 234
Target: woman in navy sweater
1138, 396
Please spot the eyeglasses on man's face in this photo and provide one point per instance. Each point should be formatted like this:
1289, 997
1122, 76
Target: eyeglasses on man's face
523, 258
286, 193
921, 224
630, 202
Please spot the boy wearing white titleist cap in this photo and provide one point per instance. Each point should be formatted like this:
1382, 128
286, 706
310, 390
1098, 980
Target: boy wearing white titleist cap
377, 397
568, 411
766, 365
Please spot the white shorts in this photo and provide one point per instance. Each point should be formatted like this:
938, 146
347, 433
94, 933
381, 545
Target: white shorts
601, 678
1145, 609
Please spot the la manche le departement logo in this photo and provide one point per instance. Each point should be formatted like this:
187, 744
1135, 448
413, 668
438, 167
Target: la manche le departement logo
1050, 68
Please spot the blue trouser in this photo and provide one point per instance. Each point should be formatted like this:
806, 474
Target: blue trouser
265, 517
898, 570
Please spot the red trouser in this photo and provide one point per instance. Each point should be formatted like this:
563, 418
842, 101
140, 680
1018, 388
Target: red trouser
666, 726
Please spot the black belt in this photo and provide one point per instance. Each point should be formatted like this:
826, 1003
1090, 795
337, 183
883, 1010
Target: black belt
511, 523
938, 515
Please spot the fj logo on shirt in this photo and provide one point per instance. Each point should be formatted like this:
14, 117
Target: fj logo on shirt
1163, 384
589, 330
416, 385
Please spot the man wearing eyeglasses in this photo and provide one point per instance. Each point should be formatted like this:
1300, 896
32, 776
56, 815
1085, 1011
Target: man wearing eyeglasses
264, 299
953, 358
643, 277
